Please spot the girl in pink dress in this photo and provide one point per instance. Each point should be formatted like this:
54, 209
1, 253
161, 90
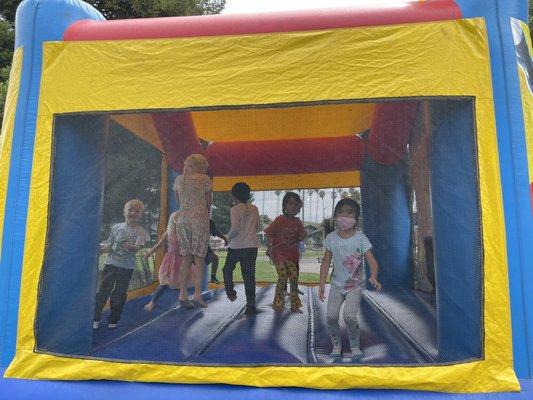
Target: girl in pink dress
194, 195
168, 273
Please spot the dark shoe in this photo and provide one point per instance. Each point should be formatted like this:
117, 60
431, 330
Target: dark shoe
232, 297
199, 303
300, 292
250, 310
186, 304
214, 280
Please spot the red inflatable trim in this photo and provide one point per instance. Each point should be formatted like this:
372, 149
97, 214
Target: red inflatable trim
392, 125
278, 157
178, 137
238, 24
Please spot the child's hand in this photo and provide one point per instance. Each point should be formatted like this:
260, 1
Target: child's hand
321, 292
375, 283
147, 255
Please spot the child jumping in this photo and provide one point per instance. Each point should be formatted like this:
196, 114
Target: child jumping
126, 239
347, 246
168, 273
194, 195
242, 245
284, 235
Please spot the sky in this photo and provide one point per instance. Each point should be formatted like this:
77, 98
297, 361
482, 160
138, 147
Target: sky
252, 6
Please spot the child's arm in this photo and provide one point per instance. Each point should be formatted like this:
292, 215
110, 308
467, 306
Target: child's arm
324, 269
156, 247
374, 269
235, 223
303, 233
106, 248
269, 233
215, 232
208, 199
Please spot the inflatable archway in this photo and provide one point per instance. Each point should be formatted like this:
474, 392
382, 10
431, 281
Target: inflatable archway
282, 101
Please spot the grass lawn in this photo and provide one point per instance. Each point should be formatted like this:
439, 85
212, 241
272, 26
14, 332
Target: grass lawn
265, 271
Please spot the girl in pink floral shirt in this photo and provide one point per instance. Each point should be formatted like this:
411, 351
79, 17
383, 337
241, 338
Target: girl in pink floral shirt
347, 246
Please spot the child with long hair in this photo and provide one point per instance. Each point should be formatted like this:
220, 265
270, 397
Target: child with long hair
194, 194
347, 246
284, 234
168, 273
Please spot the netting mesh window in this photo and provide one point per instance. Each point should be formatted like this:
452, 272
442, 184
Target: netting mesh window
331, 233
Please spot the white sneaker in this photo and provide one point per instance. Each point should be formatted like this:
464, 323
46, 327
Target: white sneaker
112, 326
337, 350
96, 324
357, 354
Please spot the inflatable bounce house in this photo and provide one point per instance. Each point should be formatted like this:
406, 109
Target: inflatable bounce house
425, 107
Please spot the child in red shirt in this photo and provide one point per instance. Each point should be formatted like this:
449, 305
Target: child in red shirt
284, 234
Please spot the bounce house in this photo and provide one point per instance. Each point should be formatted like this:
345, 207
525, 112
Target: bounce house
424, 106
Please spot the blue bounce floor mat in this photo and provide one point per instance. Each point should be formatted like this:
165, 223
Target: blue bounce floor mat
222, 334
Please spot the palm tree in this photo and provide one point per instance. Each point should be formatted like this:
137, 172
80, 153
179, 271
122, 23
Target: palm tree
316, 209
333, 197
310, 192
278, 192
322, 194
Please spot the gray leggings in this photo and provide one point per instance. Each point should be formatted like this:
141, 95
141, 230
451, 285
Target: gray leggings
352, 301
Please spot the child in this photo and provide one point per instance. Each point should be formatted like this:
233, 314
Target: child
242, 245
211, 257
346, 246
284, 235
126, 239
168, 273
194, 195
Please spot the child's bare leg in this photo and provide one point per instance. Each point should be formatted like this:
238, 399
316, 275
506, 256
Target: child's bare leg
184, 273
199, 262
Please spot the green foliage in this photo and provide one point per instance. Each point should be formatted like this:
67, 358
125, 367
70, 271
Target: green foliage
124, 9
7, 43
133, 170
222, 202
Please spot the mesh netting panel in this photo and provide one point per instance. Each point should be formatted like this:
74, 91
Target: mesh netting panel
350, 242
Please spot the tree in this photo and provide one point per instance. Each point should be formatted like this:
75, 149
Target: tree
222, 203
125, 9
133, 170
111, 9
322, 194
7, 44
278, 192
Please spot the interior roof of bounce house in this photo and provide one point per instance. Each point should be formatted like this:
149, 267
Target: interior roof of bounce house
272, 147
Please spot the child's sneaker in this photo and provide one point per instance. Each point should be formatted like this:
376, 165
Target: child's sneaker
113, 326
337, 350
357, 354
96, 324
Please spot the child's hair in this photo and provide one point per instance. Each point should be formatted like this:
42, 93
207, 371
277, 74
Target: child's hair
286, 198
134, 203
198, 162
328, 224
241, 191
348, 202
